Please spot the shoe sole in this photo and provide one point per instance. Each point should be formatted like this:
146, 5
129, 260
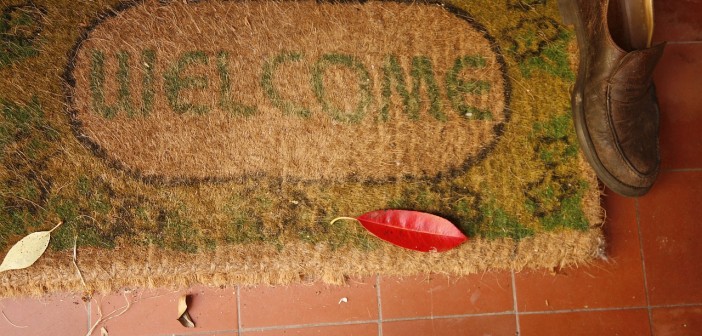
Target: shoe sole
569, 11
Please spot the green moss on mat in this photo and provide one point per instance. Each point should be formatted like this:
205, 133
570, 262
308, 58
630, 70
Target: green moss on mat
556, 198
502, 224
553, 57
25, 146
244, 229
19, 29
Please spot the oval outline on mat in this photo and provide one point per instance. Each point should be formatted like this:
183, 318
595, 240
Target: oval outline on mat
165, 179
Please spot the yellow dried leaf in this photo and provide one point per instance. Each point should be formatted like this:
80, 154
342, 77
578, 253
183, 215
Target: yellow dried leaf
183, 316
182, 305
103, 332
26, 251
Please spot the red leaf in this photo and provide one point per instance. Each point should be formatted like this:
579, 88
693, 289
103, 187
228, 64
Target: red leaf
413, 230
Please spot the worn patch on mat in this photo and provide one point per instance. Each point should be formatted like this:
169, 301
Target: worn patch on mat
292, 90
214, 141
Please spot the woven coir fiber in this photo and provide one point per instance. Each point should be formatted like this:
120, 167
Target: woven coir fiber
350, 91
213, 142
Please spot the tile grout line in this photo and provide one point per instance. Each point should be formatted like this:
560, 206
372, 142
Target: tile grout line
447, 317
679, 305
583, 310
380, 305
684, 42
332, 324
311, 325
444, 317
683, 170
514, 301
89, 309
198, 333
643, 266
238, 310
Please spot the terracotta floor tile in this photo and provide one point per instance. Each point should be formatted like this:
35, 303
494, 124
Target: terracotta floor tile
682, 321
437, 295
678, 85
341, 330
474, 325
678, 20
200, 333
617, 282
152, 312
614, 322
265, 306
51, 315
671, 215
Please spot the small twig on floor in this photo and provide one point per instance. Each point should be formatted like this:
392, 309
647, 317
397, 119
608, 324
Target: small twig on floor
75, 247
10, 322
102, 319
129, 305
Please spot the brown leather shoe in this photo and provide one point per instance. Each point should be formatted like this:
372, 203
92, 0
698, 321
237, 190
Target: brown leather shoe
614, 103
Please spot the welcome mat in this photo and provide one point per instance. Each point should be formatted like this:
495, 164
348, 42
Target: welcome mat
213, 142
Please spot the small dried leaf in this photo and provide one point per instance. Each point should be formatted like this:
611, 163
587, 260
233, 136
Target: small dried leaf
103, 332
183, 316
182, 305
186, 320
26, 251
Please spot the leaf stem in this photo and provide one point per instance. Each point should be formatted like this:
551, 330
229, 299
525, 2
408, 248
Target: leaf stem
56, 227
343, 218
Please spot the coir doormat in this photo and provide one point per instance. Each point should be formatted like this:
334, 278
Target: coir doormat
213, 142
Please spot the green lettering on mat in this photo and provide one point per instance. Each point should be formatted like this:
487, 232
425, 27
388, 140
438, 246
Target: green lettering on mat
123, 95
422, 72
175, 83
364, 85
97, 85
148, 58
269, 90
457, 88
226, 103
393, 70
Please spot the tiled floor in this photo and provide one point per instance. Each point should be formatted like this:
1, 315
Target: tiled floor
651, 284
